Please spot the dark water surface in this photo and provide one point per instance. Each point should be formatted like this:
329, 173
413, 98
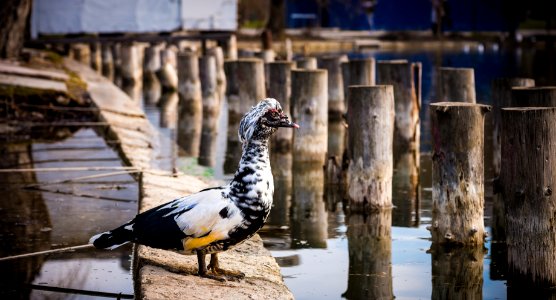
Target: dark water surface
40, 212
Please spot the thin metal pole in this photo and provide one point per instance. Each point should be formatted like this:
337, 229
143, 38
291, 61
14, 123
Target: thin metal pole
59, 250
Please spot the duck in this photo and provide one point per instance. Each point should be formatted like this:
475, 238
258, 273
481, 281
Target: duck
215, 219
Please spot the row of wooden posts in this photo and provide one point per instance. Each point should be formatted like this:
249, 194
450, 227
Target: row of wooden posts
383, 119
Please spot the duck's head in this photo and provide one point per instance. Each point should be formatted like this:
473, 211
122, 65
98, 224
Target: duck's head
263, 120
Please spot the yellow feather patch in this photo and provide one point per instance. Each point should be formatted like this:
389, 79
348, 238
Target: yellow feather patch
196, 243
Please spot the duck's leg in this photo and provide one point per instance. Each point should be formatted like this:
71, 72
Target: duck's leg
203, 267
215, 268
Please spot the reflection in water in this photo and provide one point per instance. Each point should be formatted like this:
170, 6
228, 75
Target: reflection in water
336, 146
457, 273
282, 172
24, 224
405, 189
308, 214
370, 256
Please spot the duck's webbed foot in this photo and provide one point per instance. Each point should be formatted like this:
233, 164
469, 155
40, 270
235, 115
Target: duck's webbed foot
203, 268
228, 274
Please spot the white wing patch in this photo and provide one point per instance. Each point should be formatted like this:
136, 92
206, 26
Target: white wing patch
201, 214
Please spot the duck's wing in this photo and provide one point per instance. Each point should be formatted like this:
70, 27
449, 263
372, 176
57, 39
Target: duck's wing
188, 223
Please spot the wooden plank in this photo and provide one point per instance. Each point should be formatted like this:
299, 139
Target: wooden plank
12, 69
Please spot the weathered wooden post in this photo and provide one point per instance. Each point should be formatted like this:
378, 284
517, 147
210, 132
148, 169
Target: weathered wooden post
457, 130
96, 59
151, 64
528, 180
370, 256
336, 104
211, 110
246, 87
345, 77
501, 90
229, 47
457, 272
167, 74
130, 65
220, 74
310, 111
267, 55
407, 98
542, 96
169, 110
457, 85
361, 72
288, 49
308, 63
107, 62
279, 85
370, 119
81, 53
308, 214
117, 59
190, 116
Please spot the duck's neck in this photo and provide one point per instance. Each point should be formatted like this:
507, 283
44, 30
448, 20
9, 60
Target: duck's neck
253, 186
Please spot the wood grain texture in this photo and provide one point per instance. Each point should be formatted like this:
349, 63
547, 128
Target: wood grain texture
457, 85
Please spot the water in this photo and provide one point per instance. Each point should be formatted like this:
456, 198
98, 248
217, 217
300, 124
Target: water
60, 207
310, 236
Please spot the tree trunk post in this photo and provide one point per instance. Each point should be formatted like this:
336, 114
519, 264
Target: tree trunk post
361, 72
211, 110
151, 64
245, 89
190, 118
229, 47
81, 53
117, 59
543, 96
501, 89
336, 103
307, 63
401, 75
169, 110
107, 62
345, 78
370, 118
528, 180
310, 111
370, 256
13, 23
167, 74
281, 144
457, 130
130, 65
220, 74
289, 49
96, 59
457, 85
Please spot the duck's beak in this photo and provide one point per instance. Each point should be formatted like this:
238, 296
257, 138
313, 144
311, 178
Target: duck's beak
285, 122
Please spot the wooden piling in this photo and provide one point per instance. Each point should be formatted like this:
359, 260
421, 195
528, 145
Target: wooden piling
167, 73
81, 53
288, 49
107, 62
457, 130
267, 55
190, 116
246, 87
370, 119
336, 104
345, 78
310, 111
457, 85
361, 72
279, 85
96, 59
307, 63
220, 74
117, 59
211, 110
370, 256
169, 110
542, 96
151, 64
528, 180
229, 47
401, 75
130, 64
501, 90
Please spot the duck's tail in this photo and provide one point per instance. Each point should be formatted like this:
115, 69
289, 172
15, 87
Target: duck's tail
114, 238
